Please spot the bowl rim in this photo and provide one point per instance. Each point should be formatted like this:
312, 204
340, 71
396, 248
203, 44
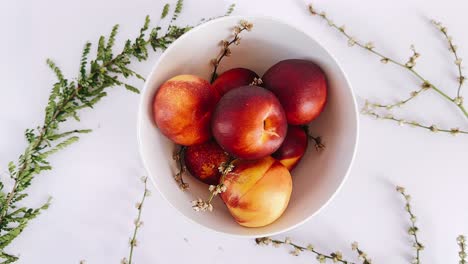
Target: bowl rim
142, 109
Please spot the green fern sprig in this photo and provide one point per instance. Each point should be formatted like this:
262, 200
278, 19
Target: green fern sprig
68, 96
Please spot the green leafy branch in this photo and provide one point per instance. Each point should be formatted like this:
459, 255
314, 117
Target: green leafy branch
67, 98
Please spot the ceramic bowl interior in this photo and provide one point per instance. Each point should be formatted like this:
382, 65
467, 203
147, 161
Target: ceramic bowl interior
320, 174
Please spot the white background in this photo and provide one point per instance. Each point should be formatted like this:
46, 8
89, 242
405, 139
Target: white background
95, 183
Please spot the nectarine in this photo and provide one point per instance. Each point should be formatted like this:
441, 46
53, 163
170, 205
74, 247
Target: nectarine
182, 109
301, 87
249, 122
233, 78
257, 192
293, 147
203, 161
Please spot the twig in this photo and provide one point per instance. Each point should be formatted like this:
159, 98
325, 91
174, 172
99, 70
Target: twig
297, 249
453, 50
317, 139
409, 65
179, 157
205, 205
225, 50
138, 223
413, 230
401, 122
461, 241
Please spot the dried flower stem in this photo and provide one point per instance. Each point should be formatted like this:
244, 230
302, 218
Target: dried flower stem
432, 128
413, 95
317, 140
179, 157
205, 205
138, 223
297, 249
409, 65
453, 50
461, 240
226, 51
413, 230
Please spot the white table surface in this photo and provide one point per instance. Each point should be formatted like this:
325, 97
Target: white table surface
95, 183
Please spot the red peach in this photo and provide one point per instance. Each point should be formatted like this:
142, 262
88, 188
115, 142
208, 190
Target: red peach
257, 191
182, 109
293, 148
233, 78
249, 122
300, 86
203, 161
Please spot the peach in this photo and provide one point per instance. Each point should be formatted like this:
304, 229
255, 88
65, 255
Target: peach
301, 87
257, 191
293, 148
203, 161
233, 78
182, 109
249, 122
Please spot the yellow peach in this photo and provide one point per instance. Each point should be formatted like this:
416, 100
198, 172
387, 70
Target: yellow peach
258, 191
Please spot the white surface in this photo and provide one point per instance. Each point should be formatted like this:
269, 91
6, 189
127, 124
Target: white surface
315, 182
95, 182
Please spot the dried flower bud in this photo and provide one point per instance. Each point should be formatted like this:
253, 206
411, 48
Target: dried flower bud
354, 245
224, 43
454, 131
384, 60
351, 42
310, 247
458, 61
461, 239
237, 30
369, 45
295, 252
458, 100
410, 64
321, 258
287, 240
400, 189
426, 85
312, 10
227, 52
214, 62
433, 128
247, 25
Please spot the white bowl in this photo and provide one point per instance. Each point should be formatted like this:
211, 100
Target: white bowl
320, 174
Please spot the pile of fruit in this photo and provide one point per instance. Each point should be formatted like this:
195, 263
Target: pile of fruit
257, 125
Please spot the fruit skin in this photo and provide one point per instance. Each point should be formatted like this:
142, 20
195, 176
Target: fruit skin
257, 191
182, 109
293, 148
203, 161
233, 78
300, 86
249, 122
